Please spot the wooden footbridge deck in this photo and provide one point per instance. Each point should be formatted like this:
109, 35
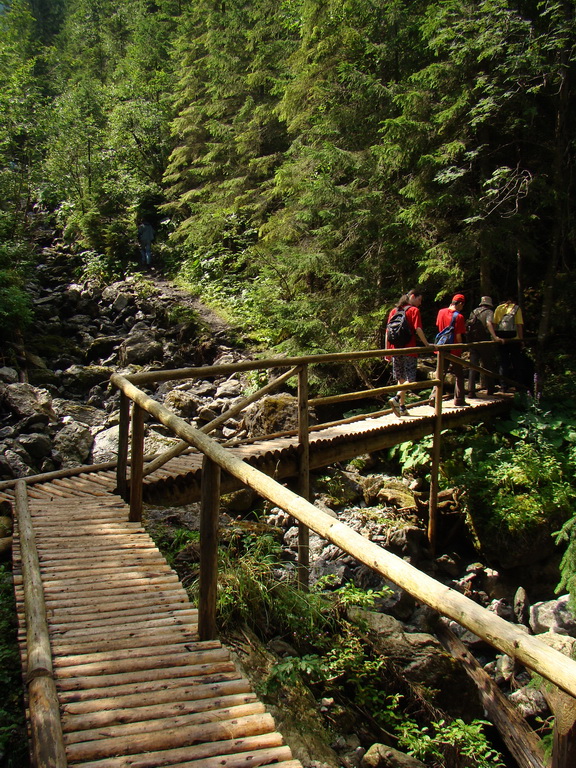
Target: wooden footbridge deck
178, 481
136, 684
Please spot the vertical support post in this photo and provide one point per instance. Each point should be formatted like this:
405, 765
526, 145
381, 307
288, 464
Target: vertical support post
136, 464
563, 708
122, 466
564, 746
433, 501
303, 476
209, 525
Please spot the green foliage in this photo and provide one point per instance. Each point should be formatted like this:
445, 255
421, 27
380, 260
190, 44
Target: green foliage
181, 313
523, 479
13, 739
250, 594
351, 595
414, 457
443, 740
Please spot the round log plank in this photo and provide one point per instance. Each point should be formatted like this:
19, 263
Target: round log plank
104, 718
196, 752
183, 736
208, 691
108, 667
134, 729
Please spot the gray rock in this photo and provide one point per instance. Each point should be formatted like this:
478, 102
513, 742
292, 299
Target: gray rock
17, 467
381, 756
84, 414
103, 346
230, 388
105, 445
72, 444
521, 606
8, 375
529, 702
421, 659
274, 413
553, 616
80, 379
503, 609
25, 400
183, 403
37, 445
141, 348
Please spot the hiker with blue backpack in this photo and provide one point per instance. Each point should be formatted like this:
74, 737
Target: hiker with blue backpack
403, 326
451, 329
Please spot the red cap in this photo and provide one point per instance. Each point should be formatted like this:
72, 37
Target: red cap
458, 297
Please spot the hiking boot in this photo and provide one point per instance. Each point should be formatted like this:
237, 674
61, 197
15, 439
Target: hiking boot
394, 403
403, 411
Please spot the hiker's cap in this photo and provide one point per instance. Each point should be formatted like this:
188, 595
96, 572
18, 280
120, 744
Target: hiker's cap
457, 298
486, 301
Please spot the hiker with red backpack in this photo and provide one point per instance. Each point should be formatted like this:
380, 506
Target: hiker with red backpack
403, 326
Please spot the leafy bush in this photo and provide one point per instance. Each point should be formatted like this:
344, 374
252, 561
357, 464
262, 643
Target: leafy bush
442, 739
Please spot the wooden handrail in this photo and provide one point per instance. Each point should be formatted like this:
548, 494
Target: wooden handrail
509, 639
182, 446
47, 741
147, 377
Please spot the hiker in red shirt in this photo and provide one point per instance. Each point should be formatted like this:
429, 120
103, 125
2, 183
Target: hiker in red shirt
443, 320
404, 368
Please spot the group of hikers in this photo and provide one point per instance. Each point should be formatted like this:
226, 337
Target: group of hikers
484, 323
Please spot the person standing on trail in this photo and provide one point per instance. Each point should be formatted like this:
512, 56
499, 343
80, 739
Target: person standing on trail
146, 236
452, 315
480, 327
509, 324
400, 334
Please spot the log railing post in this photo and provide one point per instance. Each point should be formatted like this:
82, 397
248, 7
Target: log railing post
303, 476
434, 470
123, 430
209, 525
136, 464
47, 741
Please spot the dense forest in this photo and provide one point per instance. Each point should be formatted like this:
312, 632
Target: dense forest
302, 162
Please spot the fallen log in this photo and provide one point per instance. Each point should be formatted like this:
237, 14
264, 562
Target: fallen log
523, 743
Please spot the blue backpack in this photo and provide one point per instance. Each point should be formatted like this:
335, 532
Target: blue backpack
447, 335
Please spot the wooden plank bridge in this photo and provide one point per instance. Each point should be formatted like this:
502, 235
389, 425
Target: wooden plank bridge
135, 685
120, 670
178, 481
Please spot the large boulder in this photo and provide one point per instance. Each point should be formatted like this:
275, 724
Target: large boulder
382, 756
141, 348
105, 445
553, 616
274, 413
24, 400
79, 379
72, 444
420, 659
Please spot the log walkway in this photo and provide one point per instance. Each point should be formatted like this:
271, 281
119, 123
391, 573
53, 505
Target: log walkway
136, 687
